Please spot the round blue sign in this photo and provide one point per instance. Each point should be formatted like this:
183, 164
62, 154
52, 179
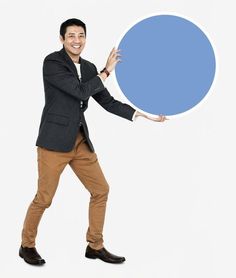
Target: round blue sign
168, 65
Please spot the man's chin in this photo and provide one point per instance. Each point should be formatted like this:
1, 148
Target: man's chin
74, 51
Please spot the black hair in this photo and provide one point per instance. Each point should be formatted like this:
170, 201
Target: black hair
71, 22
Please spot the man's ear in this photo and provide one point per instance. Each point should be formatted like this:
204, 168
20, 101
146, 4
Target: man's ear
61, 39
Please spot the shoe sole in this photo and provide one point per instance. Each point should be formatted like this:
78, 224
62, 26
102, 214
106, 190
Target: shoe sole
95, 257
29, 262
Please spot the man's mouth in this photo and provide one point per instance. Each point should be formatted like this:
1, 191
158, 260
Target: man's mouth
76, 46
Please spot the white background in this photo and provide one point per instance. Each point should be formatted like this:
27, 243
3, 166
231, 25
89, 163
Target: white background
171, 209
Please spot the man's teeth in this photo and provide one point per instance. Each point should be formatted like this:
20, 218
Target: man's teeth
76, 46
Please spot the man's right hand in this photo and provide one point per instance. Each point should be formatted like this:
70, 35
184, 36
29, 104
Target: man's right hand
113, 59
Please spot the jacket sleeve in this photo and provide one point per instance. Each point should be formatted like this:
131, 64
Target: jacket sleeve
114, 106
58, 76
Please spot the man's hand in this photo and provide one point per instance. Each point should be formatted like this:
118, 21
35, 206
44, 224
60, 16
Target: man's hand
113, 59
160, 118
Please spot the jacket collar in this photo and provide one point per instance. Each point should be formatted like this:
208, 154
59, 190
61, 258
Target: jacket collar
70, 62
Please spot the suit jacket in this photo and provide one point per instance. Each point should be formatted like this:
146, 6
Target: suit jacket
62, 115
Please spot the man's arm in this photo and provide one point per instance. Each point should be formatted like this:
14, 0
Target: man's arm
159, 118
114, 106
58, 76
105, 99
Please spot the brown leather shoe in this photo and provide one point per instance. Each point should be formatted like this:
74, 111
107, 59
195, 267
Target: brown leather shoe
103, 255
31, 256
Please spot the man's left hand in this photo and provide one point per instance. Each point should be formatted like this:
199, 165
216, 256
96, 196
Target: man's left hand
159, 118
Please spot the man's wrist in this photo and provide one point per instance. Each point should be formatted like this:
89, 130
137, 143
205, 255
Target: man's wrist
138, 114
105, 71
103, 76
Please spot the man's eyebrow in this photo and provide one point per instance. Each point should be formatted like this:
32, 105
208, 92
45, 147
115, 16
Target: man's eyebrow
73, 33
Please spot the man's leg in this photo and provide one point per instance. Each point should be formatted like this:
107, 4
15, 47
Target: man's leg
50, 167
86, 167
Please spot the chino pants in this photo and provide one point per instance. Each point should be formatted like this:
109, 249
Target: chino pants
85, 165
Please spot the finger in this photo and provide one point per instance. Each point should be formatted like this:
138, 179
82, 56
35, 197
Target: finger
113, 55
112, 51
117, 61
116, 51
117, 56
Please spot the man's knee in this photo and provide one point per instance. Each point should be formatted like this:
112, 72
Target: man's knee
42, 201
101, 192
106, 189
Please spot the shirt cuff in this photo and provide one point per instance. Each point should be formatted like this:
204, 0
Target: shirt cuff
133, 117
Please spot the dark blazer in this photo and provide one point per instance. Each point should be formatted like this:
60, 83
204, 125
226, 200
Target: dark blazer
66, 99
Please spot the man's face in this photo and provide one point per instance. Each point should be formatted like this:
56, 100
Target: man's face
74, 41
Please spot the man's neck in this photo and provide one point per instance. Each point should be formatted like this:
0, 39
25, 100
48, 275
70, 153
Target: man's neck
74, 58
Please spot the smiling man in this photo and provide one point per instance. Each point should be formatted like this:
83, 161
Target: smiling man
63, 139
74, 41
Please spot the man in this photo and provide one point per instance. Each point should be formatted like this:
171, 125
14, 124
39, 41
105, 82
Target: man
69, 82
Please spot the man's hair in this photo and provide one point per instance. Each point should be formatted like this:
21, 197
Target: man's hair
71, 22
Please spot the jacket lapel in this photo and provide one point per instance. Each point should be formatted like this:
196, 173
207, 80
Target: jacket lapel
69, 62
71, 65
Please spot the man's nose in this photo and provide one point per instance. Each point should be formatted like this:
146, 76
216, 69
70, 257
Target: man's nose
77, 39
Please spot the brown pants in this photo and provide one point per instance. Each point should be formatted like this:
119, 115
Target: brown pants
85, 165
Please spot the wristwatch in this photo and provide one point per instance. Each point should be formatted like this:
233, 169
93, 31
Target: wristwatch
106, 71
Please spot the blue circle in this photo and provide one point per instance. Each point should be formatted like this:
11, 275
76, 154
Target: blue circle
168, 65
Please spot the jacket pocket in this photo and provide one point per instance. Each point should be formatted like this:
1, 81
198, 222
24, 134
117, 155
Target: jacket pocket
57, 119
